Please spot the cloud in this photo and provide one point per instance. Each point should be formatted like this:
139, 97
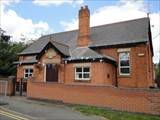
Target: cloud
124, 10
109, 14
56, 2
8, 2
19, 27
155, 28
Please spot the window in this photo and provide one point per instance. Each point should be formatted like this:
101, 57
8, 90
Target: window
28, 72
124, 63
82, 73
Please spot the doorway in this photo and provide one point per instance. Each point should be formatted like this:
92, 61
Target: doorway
21, 87
51, 73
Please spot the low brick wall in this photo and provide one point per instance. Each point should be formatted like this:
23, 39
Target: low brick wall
125, 99
7, 83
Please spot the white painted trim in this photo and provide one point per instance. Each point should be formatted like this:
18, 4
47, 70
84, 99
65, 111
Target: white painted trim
28, 67
85, 79
44, 73
82, 73
124, 50
124, 67
25, 73
82, 65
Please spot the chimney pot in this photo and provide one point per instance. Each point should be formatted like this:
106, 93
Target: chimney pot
86, 6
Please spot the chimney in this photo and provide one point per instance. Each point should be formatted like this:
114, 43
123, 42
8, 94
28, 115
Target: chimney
84, 24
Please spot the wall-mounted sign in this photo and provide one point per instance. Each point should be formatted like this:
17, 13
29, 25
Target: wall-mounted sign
140, 54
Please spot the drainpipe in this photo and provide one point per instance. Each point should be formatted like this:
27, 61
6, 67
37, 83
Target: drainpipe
116, 83
20, 87
65, 62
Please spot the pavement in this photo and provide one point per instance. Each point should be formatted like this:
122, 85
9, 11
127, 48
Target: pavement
20, 108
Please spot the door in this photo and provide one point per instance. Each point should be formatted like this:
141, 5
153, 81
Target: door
51, 73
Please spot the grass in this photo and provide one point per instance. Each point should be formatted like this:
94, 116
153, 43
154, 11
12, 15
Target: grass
113, 115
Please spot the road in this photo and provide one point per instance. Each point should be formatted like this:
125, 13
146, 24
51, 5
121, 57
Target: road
20, 108
6, 114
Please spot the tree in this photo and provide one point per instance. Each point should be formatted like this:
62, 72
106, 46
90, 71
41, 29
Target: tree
8, 54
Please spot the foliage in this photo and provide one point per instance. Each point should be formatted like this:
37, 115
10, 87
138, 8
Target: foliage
113, 115
8, 54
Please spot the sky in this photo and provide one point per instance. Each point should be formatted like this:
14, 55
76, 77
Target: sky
31, 19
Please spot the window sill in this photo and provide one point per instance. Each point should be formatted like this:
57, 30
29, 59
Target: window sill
81, 80
50, 82
125, 76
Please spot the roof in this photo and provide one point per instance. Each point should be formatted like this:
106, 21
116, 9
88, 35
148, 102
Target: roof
85, 53
127, 32
27, 61
64, 49
38, 46
132, 31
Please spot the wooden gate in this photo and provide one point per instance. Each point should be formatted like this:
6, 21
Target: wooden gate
21, 87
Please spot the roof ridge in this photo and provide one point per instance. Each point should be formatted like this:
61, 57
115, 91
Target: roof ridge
95, 52
97, 26
47, 35
119, 22
59, 43
85, 51
92, 51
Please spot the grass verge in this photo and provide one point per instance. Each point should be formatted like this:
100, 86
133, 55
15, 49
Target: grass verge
113, 115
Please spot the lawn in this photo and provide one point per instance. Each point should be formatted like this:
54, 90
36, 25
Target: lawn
113, 115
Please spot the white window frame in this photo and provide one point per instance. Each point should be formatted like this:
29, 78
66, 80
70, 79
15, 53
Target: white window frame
44, 75
29, 69
120, 73
85, 79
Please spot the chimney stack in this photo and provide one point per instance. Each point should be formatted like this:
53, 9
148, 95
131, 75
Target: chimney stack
84, 27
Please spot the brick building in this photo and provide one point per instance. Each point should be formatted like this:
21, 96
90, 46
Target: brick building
101, 66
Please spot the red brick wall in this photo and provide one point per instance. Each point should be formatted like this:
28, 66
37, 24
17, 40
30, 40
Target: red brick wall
10, 87
141, 69
141, 66
132, 100
38, 72
101, 73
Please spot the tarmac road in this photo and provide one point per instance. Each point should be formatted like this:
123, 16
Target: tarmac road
20, 108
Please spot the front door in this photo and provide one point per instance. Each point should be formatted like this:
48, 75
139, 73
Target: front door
51, 73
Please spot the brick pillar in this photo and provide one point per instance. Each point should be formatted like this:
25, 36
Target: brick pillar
11, 85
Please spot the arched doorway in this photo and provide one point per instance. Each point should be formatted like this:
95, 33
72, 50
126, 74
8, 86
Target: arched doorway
51, 72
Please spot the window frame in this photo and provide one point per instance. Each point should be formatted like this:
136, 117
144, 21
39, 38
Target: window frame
28, 73
83, 79
120, 67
